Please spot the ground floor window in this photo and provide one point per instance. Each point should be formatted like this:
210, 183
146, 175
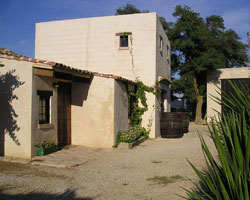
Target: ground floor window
44, 106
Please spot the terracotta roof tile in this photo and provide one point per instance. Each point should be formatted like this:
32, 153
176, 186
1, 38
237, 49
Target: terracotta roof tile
7, 52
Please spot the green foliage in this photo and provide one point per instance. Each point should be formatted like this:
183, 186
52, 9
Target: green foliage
198, 46
136, 111
126, 33
46, 144
129, 9
140, 105
1, 65
230, 177
131, 135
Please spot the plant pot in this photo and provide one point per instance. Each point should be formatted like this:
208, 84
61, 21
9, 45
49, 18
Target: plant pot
46, 151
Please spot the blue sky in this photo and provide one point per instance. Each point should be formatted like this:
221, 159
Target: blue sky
18, 17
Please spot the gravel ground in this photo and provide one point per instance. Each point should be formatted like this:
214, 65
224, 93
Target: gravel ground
157, 169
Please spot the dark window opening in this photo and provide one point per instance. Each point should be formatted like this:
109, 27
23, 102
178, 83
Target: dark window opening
161, 44
44, 110
123, 40
44, 106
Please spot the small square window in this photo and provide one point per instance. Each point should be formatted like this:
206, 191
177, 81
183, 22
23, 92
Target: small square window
123, 40
44, 106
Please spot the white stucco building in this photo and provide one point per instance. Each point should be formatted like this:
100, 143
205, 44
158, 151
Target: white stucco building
43, 100
131, 46
217, 81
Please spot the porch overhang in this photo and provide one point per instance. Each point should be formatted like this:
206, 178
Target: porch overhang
62, 72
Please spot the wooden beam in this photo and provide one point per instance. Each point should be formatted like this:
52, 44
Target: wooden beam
42, 66
62, 80
83, 75
43, 72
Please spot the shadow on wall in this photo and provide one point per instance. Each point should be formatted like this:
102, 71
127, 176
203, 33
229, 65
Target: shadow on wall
8, 124
79, 92
68, 194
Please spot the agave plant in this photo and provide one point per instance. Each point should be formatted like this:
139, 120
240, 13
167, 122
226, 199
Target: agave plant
228, 176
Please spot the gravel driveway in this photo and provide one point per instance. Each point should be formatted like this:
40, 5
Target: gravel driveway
157, 169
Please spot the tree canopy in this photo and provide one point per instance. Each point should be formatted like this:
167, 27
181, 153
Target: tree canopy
129, 9
199, 46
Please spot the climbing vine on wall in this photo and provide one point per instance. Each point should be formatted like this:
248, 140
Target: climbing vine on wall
136, 109
139, 103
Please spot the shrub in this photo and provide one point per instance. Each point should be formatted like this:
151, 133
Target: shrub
228, 178
46, 144
131, 135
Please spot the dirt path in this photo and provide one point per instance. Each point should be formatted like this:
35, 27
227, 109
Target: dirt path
157, 169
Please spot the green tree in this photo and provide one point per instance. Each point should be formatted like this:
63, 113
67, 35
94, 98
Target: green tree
198, 46
129, 9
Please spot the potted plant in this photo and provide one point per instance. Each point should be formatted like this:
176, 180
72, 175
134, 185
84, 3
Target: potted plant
46, 147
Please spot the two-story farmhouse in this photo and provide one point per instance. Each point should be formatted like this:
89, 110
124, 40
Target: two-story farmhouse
131, 46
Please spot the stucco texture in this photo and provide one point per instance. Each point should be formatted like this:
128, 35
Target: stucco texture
98, 112
15, 102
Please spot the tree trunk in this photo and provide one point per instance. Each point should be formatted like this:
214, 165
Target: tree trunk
198, 117
199, 97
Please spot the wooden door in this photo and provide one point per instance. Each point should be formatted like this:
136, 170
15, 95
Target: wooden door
64, 114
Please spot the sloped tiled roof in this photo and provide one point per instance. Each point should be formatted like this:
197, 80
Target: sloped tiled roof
7, 54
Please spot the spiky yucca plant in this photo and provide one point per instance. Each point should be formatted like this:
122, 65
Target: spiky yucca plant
228, 176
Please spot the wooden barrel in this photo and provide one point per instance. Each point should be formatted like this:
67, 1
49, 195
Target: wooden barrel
171, 125
185, 122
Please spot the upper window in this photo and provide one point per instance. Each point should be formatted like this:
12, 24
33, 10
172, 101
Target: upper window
161, 44
123, 40
44, 106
